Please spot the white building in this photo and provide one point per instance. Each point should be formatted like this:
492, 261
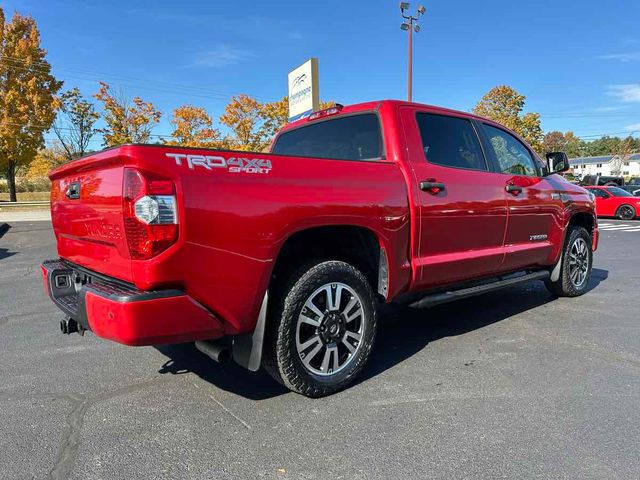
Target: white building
606, 165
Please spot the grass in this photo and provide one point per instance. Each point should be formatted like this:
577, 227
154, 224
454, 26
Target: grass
26, 196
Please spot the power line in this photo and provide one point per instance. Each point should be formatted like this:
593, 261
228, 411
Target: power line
167, 87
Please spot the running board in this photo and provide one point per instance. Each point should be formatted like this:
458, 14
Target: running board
449, 296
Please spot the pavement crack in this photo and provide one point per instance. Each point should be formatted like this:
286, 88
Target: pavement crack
71, 438
244, 424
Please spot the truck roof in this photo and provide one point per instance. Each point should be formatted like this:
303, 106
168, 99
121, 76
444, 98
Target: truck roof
377, 104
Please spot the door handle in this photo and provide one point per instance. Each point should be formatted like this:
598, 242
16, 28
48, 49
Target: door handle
432, 187
513, 189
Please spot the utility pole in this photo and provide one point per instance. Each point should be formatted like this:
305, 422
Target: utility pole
411, 24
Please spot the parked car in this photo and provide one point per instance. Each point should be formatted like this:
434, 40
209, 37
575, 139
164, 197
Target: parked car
615, 202
280, 258
634, 181
602, 180
632, 189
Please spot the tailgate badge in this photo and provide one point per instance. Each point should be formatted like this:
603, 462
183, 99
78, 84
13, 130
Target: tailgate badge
73, 191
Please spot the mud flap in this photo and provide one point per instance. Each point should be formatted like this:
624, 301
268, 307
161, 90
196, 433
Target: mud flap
247, 349
555, 273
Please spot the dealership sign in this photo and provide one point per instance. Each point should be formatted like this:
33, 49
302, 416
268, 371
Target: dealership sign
304, 94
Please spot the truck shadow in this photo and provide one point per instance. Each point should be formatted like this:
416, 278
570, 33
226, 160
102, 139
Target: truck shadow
4, 253
402, 333
4, 228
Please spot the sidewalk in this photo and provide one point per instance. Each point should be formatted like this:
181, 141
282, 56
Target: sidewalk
27, 216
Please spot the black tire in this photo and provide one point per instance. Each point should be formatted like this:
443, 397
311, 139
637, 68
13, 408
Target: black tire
626, 212
281, 356
570, 284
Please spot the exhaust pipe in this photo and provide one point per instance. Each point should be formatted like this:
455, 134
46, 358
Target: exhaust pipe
214, 350
68, 326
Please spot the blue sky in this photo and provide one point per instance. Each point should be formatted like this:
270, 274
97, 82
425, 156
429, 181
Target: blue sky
578, 62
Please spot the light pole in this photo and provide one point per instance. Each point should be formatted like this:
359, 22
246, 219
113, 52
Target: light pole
410, 24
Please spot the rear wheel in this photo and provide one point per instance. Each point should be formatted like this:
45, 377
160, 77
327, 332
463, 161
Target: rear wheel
322, 329
626, 212
576, 264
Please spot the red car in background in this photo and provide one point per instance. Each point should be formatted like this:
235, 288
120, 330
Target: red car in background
615, 202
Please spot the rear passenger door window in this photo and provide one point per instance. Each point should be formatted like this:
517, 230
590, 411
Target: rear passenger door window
510, 153
450, 142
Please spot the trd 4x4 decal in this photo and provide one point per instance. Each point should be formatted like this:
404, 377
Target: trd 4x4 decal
232, 164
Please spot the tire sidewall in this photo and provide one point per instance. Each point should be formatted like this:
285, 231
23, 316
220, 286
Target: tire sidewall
568, 286
619, 214
309, 282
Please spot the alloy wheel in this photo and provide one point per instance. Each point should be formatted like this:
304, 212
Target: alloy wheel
626, 212
579, 262
330, 329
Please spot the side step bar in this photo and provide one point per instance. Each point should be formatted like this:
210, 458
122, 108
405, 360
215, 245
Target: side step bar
451, 295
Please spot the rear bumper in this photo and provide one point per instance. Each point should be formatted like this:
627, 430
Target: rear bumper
124, 314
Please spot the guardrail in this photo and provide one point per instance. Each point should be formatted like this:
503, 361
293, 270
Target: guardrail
44, 203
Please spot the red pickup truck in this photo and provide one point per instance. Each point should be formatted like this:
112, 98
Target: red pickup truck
279, 259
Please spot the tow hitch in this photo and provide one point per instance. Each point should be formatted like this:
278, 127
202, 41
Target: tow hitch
68, 326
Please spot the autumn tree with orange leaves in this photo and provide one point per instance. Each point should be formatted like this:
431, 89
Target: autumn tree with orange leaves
503, 104
28, 100
193, 127
252, 125
128, 121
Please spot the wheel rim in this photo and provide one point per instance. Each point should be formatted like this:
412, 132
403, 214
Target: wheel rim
626, 212
579, 262
330, 329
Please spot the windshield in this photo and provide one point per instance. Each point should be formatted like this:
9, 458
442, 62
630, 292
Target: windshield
618, 192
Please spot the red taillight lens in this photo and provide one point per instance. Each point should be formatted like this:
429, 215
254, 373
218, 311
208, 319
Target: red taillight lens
150, 213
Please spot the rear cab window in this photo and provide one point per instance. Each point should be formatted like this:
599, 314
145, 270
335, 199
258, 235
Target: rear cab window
349, 137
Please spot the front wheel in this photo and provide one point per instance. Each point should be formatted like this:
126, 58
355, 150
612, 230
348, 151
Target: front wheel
626, 212
576, 264
321, 330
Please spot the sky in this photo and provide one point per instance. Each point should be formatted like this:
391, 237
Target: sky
577, 62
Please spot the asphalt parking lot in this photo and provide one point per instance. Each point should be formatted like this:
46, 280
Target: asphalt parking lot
515, 384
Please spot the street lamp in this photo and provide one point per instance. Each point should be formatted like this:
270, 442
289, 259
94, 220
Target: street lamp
410, 24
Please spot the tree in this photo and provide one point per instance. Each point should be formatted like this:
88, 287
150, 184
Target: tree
573, 145
276, 116
49, 157
74, 128
244, 118
28, 100
128, 121
554, 142
193, 127
622, 154
253, 124
504, 105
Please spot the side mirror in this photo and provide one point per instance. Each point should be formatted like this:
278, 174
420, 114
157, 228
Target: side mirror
557, 162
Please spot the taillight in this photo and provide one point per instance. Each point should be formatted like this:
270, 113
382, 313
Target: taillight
150, 213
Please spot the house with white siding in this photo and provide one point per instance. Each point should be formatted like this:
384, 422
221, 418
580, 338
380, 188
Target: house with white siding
606, 165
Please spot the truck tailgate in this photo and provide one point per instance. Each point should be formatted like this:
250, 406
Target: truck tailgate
86, 207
